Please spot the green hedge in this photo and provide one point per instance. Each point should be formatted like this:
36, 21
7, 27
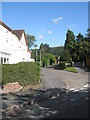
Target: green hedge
24, 73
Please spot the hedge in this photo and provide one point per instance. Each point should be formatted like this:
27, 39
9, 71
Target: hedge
25, 73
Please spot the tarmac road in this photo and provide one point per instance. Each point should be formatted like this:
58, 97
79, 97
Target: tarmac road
52, 78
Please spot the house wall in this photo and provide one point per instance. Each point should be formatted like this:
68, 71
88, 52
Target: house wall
11, 48
88, 62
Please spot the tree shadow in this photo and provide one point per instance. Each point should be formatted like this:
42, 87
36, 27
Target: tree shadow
85, 68
50, 103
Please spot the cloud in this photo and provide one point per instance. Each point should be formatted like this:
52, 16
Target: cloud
38, 32
71, 26
40, 36
49, 32
57, 20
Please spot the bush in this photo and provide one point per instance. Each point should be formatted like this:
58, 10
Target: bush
70, 69
24, 73
61, 66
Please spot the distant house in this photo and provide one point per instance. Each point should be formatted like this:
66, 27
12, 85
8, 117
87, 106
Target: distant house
88, 62
13, 46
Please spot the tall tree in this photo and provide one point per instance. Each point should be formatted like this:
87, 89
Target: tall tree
80, 42
88, 34
30, 40
35, 46
88, 42
70, 42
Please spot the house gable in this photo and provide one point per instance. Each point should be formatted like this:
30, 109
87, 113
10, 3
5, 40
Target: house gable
21, 36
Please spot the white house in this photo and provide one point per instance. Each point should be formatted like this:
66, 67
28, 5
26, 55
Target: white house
13, 46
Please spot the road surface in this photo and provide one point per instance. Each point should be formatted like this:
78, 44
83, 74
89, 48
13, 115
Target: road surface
52, 78
52, 102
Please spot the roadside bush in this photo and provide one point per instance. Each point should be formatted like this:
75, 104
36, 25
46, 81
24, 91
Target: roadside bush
71, 69
24, 73
61, 66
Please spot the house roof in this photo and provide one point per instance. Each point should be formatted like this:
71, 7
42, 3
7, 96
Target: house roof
18, 33
4, 25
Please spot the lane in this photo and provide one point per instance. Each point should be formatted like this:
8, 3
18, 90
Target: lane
52, 78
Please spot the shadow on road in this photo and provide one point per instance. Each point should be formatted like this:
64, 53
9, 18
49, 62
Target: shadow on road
50, 103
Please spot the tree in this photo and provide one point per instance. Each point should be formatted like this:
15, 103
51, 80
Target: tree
88, 42
70, 43
30, 40
82, 47
35, 46
88, 34
65, 56
79, 47
51, 58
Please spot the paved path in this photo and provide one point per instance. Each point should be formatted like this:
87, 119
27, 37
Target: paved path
52, 78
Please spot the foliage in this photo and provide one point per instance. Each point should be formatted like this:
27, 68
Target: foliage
24, 73
45, 49
61, 66
57, 51
82, 47
30, 40
48, 59
51, 58
71, 69
70, 42
65, 56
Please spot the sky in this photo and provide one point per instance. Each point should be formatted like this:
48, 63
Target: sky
47, 21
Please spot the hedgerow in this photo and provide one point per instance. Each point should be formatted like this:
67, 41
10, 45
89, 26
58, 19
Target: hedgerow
25, 73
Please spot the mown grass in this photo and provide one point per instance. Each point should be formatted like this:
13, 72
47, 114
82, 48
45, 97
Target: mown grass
71, 69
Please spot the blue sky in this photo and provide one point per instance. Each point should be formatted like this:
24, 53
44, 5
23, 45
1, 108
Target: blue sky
48, 22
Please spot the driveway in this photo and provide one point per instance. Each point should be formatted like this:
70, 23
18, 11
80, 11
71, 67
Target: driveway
52, 78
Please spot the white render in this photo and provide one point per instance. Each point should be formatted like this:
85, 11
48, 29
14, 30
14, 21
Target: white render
13, 50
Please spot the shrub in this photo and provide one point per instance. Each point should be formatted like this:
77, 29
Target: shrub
71, 69
61, 66
24, 73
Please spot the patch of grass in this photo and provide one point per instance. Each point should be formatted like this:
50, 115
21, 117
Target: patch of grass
71, 69
24, 73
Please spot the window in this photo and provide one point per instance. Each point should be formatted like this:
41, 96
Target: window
6, 31
4, 60
1, 60
7, 60
6, 40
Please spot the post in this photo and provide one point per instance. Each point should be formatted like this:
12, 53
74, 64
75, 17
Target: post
36, 55
40, 57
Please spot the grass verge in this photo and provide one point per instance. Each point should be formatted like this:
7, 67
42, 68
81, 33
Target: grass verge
71, 69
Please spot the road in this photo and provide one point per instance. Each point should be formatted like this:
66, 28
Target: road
52, 102
52, 78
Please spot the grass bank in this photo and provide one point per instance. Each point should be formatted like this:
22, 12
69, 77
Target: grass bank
71, 69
